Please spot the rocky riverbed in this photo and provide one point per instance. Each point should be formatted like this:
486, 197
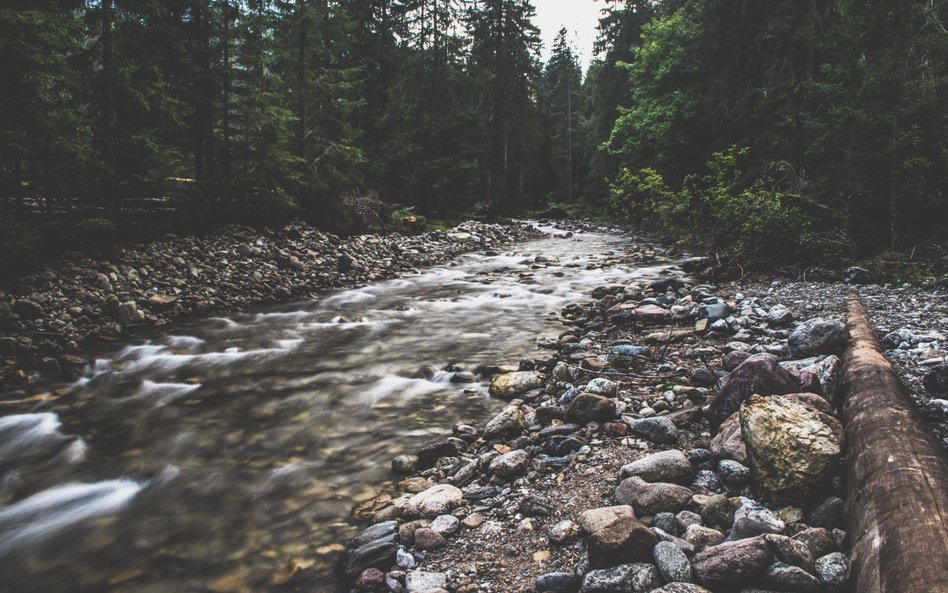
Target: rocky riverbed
47, 318
676, 437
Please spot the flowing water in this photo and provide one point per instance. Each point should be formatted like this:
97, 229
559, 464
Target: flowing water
227, 454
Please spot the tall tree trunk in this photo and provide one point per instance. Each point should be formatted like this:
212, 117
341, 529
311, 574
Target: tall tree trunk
301, 79
108, 110
225, 97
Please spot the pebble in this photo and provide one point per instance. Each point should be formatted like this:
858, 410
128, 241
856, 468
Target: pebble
672, 562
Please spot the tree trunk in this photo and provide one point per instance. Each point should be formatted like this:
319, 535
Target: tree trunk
896, 476
225, 96
301, 78
108, 110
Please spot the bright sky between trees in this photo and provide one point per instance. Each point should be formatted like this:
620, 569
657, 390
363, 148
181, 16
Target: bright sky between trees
580, 17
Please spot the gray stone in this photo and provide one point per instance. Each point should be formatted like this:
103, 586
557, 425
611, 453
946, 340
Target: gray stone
405, 464
511, 385
417, 581
791, 551
625, 578
732, 562
702, 537
508, 422
428, 539
600, 386
129, 314
557, 582
824, 368
564, 532
510, 464
681, 588
672, 562
820, 541
664, 466
437, 500
446, 525
733, 474
650, 498
818, 336
833, 570
589, 407
729, 442
377, 554
657, 429
785, 577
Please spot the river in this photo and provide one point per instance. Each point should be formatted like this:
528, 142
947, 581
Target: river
227, 454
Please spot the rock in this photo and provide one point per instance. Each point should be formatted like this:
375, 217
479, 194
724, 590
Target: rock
681, 588
729, 442
672, 563
818, 336
752, 518
734, 359
735, 475
703, 377
128, 314
828, 514
509, 422
857, 275
533, 505
651, 314
557, 582
686, 518
779, 315
510, 465
385, 532
719, 510
791, 551
714, 311
731, 563
473, 521
818, 540
564, 532
791, 451
625, 578
160, 302
833, 570
664, 466
376, 554
648, 499
789, 578
437, 500
511, 385
760, 374
430, 454
600, 386
372, 580
446, 525
417, 581
702, 537
405, 464
28, 309
935, 381
588, 407
657, 429
825, 368
428, 539
706, 479
662, 285
615, 536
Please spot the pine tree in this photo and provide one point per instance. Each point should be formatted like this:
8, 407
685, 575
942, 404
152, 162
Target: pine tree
560, 105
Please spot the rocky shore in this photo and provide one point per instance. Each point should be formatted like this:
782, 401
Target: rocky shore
47, 318
676, 437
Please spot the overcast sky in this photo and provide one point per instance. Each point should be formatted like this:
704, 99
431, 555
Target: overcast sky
580, 18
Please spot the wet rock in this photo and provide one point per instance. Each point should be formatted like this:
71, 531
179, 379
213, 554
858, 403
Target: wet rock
372, 580
435, 451
719, 510
511, 385
729, 442
760, 374
935, 381
752, 519
615, 536
790, 449
128, 314
664, 466
818, 336
657, 429
508, 422
672, 563
734, 359
708, 480
791, 551
564, 532
405, 464
417, 581
732, 563
833, 570
681, 588
510, 465
557, 582
437, 500
733, 474
625, 578
160, 302
648, 499
377, 554
789, 578
587, 407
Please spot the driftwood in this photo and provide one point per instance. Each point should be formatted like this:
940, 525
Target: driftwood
897, 476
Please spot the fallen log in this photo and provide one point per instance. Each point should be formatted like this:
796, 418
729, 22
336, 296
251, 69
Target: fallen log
896, 473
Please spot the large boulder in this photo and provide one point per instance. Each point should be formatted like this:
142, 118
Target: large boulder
732, 563
616, 536
818, 336
792, 450
664, 466
510, 385
760, 374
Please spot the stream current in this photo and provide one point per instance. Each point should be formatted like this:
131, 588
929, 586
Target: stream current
227, 454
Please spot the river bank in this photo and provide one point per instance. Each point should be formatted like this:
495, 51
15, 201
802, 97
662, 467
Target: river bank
608, 470
48, 318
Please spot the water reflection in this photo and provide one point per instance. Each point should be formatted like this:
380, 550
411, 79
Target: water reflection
225, 456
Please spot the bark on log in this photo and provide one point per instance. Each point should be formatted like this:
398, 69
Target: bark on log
897, 475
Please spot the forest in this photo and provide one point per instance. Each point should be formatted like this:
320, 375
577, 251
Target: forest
794, 131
